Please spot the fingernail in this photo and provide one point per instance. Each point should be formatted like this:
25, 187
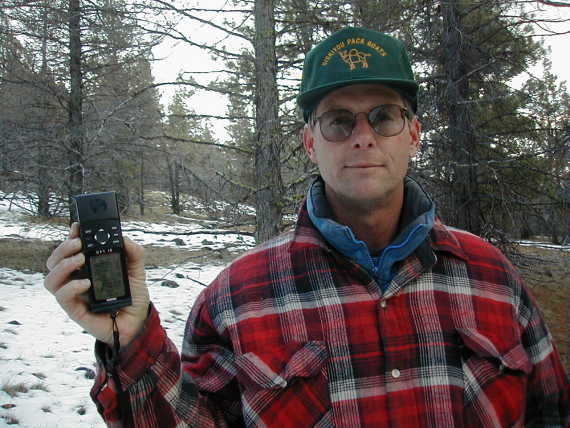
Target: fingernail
72, 229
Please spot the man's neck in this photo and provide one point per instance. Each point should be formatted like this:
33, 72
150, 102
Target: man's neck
374, 224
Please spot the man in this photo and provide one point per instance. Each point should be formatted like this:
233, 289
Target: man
370, 313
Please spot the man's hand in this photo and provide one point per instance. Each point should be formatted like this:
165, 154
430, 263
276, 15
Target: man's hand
65, 259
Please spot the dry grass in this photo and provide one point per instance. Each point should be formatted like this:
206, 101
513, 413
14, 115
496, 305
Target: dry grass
31, 255
24, 254
10, 420
547, 272
14, 389
39, 387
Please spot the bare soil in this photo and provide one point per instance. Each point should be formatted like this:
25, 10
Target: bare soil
546, 271
31, 255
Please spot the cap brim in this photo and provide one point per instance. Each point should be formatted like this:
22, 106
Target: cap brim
309, 100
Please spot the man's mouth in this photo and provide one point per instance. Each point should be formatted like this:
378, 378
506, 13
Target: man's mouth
364, 165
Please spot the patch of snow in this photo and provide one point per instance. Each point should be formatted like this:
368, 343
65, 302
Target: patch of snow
45, 357
41, 349
544, 245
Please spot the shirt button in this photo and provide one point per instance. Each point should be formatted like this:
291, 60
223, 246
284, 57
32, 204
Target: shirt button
383, 304
396, 373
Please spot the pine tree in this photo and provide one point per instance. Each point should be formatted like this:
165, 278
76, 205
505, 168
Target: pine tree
76, 49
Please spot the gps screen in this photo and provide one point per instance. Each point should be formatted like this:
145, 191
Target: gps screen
107, 276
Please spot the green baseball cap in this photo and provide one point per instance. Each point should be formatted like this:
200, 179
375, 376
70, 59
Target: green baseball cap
352, 56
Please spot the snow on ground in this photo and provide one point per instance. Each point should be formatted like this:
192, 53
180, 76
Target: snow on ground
144, 233
49, 355
545, 245
45, 357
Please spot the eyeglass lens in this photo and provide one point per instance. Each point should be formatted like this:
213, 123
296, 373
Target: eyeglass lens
386, 120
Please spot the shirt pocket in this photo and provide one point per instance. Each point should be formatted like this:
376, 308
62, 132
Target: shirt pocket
495, 373
284, 385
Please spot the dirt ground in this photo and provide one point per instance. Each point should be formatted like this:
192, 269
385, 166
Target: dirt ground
546, 271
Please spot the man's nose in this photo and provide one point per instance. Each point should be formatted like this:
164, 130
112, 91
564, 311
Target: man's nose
363, 136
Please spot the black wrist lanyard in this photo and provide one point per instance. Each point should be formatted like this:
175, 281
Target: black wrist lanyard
125, 414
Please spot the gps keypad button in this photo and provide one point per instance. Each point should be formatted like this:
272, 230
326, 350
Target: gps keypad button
102, 236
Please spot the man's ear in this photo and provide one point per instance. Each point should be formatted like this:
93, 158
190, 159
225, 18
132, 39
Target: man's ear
309, 143
415, 133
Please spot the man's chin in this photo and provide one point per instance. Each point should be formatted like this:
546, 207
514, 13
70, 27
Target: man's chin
364, 201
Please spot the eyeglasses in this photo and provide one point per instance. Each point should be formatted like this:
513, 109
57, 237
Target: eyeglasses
386, 120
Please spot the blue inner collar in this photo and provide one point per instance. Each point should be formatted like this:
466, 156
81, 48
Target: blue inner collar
416, 221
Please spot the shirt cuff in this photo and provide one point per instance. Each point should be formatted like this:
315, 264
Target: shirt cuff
138, 356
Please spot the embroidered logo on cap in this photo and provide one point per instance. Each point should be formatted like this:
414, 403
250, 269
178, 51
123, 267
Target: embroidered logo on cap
353, 57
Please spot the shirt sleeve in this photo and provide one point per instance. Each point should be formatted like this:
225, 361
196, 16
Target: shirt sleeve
548, 399
164, 388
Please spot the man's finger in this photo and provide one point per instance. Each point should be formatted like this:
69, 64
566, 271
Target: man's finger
135, 252
74, 230
64, 250
67, 295
60, 272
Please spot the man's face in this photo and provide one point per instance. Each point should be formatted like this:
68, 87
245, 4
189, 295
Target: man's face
366, 171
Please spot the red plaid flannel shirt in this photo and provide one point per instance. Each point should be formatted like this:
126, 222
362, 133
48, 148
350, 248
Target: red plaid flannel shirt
294, 335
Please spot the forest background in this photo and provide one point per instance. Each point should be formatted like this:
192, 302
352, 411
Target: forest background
81, 108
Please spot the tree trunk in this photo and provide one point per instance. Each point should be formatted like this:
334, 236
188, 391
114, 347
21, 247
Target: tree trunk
305, 28
42, 173
267, 151
174, 179
141, 184
466, 207
76, 147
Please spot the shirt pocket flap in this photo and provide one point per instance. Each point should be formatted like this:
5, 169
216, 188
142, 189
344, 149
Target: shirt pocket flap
276, 368
510, 354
